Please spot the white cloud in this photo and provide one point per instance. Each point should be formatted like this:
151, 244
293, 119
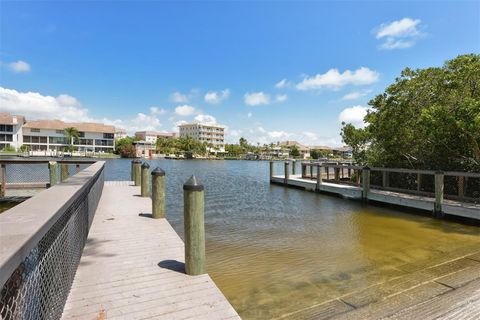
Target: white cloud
399, 34
206, 119
36, 106
354, 115
354, 95
256, 98
215, 97
140, 122
179, 97
278, 134
281, 97
249, 115
185, 110
19, 66
157, 111
333, 79
282, 84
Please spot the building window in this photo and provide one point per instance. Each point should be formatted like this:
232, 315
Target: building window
108, 136
6, 127
81, 134
6, 137
60, 131
34, 130
56, 140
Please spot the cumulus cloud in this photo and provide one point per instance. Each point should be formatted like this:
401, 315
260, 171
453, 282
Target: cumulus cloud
19, 66
354, 115
157, 111
399, 34
256, 98
281, 97
37, 106
215, 97
282, 84
185, 110
333, 79
206, 119
179, 97
140, 122
354, 95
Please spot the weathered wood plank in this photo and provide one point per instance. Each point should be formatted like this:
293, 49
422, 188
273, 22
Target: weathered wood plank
133, 267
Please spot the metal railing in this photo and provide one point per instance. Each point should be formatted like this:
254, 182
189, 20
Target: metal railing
41, 242
460, 186
33, 174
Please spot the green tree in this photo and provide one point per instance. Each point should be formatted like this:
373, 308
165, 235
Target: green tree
427, 119
294, 151
125, 148
73, 135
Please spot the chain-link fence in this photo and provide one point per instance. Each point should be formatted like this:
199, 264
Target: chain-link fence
39, 286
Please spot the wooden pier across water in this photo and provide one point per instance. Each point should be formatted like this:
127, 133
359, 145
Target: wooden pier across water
355, 182
132, 267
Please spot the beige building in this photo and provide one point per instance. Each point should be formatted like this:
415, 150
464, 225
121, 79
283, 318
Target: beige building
211, 134
152, 136
303, 150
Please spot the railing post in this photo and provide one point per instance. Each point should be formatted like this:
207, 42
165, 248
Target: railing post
439, 185
138, 172
158, 193
365, 182
461, 186
52, 167
294, 167
327, 168
194, 225
419, 181
385, 179
304, 170
271, 170
3, 180
311, 169
132, 170
77, 167
319, 177
287, 172
63, 172
357, 176
144, 189
337, 175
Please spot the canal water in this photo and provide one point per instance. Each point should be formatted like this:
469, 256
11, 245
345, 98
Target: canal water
275, 250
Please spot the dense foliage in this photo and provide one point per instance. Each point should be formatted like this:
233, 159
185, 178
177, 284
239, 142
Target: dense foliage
72, 135
428, 119
182, 145
125, 148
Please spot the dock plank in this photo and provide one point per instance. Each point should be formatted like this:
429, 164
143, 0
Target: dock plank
133, 267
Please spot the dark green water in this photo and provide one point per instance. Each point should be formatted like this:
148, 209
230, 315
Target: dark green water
4, 206
274, 250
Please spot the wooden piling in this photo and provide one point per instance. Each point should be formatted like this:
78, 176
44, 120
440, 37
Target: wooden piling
145, 185
271, 170
385, 179
77, 168
158, 193
311, 169
304, 170
132, 170
294, 167
3, 180
52, 167
137, 172
287, 171
439, 185
461, 186
63, 172
419, 181
194, 225
337, 175
319, 177
365, 182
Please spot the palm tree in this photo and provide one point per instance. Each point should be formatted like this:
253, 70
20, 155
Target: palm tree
72, 135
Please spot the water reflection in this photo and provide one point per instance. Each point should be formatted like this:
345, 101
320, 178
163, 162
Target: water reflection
274, 250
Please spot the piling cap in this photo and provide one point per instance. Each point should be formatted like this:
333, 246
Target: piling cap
145, 165
193, 184
136, 161
287, 162
158, 172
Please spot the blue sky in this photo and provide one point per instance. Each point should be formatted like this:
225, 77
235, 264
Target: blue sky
151, 65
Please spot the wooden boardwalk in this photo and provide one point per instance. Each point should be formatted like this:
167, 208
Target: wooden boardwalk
454, 208
133, 267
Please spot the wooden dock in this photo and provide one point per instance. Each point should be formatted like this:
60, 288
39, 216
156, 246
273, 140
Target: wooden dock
132, 267
450, 207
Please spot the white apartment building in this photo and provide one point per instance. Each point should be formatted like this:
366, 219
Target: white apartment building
152, 136
48, 136
209, 133
11, 130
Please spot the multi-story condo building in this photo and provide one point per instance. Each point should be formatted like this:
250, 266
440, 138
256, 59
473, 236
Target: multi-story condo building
152, 136
48, 136
209, 133
10, 130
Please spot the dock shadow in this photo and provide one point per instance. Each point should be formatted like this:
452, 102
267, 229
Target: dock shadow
173, 265
145, 215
